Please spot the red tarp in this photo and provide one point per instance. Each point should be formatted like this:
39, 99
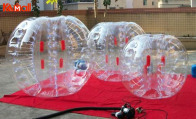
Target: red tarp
112, 94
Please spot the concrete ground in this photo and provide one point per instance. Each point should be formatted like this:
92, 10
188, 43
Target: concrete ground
8, 86
8, 111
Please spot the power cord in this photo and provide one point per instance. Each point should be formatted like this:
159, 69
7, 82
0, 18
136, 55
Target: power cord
125, 112
76, 109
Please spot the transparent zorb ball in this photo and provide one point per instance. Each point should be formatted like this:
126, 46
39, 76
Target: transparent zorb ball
155, 66
106, 42
48, 56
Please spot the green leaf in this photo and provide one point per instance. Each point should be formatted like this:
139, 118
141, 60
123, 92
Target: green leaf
106, 2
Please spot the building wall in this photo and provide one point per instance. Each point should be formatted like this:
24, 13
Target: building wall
119, 4
71, 7
139, 4
193, 3
174, 3
41, 4
129, 3
47, 6
180, 22
84, 6
79, 6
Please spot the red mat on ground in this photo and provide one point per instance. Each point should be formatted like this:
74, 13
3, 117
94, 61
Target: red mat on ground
110, 94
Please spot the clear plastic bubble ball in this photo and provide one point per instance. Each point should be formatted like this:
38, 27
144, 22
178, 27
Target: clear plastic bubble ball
155, 66
106, 41
48, 56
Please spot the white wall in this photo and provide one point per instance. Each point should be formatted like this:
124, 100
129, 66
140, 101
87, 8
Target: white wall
174, 3
47, 6
129, 3
193, 3
41, 4
139, 4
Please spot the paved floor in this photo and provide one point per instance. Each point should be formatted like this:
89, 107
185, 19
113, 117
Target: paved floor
7, 86
7, 111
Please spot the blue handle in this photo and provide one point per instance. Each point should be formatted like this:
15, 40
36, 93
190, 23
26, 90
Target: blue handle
193, 70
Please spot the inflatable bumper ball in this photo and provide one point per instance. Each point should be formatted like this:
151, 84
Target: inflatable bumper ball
48, 56
155, 66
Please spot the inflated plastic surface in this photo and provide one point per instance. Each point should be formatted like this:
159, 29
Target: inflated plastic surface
48, 56
155, 66
106, 41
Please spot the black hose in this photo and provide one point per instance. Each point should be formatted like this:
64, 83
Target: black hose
77, 109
